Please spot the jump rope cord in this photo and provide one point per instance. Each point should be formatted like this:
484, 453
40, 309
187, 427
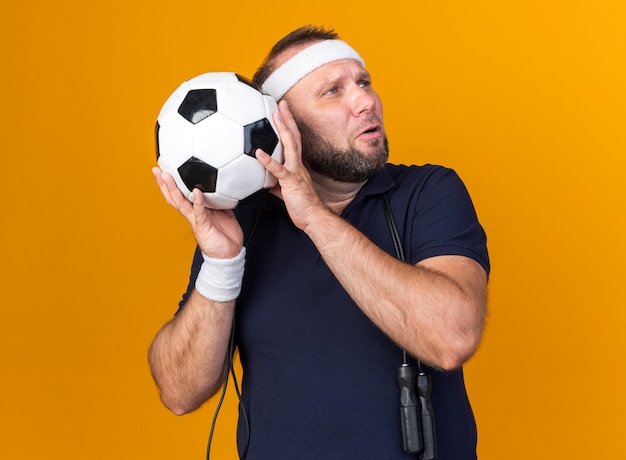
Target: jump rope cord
231, 346
230, 366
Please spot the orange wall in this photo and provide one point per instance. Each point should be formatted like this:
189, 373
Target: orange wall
526, 99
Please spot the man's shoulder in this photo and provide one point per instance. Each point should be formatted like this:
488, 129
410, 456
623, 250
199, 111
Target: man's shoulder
415, 177
416, 171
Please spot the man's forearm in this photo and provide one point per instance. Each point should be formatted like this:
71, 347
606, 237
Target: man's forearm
434, 310
188, 355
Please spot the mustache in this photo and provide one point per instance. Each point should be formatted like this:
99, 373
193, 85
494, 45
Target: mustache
372, 122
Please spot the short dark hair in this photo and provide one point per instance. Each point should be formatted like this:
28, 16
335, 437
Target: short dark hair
299, 36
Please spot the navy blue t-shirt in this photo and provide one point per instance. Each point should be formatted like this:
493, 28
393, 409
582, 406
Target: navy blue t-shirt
319, 377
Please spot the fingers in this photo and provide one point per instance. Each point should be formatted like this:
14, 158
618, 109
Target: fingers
217, 232
290, 139
165, 182
170, 191
199, 211
273, 166
289, 135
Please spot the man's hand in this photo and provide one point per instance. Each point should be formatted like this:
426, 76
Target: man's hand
217, 232
295, 186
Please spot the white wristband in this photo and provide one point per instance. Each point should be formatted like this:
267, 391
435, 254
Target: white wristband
220, 279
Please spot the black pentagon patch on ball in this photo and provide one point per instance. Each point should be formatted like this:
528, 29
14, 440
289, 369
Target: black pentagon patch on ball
198, 105
259, 135
248, 82
156, 135
195, 173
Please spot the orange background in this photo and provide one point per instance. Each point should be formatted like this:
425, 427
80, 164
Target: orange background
525, 99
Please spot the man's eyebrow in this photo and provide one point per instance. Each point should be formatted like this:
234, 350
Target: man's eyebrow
333, 80
329, 81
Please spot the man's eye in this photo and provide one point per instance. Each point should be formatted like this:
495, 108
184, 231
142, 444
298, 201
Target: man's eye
330, 91
365, 83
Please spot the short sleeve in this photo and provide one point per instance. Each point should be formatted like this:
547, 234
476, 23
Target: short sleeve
444, 220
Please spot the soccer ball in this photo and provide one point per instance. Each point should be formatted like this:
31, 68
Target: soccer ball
206, 135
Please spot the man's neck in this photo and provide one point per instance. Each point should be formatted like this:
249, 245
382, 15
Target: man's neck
336, 195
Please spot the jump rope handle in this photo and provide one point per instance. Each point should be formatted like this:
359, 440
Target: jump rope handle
429, 451
409, 410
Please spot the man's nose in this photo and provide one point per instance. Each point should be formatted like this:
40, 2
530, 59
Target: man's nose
364, 100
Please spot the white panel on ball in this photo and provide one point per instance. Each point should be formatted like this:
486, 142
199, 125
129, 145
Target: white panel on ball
244, 174
235, 101
218, 138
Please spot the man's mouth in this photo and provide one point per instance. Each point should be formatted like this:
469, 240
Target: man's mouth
371, 132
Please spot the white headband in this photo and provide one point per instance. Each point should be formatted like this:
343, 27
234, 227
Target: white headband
304, 62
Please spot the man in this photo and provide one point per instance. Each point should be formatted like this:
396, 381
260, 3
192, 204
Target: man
324, 306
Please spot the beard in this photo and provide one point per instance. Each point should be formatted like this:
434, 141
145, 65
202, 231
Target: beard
348, 165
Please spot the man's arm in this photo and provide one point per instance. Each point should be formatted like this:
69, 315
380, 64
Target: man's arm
435, 309
188, 355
